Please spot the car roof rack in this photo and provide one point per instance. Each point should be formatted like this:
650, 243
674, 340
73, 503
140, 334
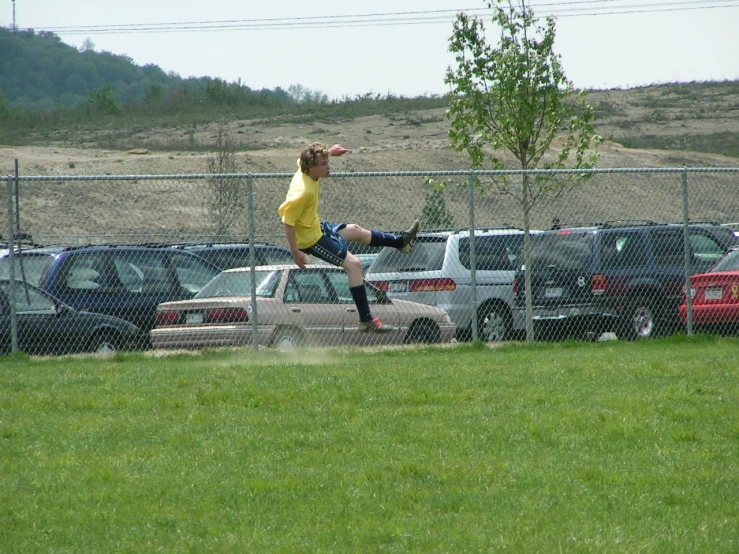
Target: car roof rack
21, 239
701, 222
557, 224
503, 227
198, 243
629, 223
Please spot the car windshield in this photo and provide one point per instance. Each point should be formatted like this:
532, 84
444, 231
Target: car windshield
31, 270
729, 263
238, 283
563, 250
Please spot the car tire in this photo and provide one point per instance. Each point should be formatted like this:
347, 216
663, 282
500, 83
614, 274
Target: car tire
424, 332
287, 338
639, 320
494, 323
105, 342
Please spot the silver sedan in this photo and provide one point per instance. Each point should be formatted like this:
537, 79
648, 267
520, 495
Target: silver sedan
295, 307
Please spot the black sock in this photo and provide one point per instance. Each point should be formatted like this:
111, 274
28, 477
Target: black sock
359, 294
386, 239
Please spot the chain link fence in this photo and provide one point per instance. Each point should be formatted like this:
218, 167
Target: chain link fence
102, 263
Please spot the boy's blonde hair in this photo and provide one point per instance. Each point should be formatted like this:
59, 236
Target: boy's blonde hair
311, 154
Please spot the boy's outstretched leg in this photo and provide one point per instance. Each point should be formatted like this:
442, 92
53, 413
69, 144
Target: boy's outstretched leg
403, 242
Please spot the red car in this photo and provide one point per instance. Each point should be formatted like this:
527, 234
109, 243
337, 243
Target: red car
716, 295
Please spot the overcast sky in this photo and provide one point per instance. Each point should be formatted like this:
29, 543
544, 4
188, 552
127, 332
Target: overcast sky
356, 48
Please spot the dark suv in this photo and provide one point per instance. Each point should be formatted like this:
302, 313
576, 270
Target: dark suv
122, 281
615, 277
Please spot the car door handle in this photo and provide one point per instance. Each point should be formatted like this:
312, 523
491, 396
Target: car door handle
296, 310
351, 309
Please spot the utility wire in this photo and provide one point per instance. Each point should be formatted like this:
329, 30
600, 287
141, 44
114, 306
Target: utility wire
607, 4
561, 9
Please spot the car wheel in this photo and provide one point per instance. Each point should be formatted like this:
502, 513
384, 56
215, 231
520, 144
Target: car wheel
425, 332
639, 320
494, 324
287, 338
104, 343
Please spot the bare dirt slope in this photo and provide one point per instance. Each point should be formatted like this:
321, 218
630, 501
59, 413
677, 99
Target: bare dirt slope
375, 145
412, 141
678, 115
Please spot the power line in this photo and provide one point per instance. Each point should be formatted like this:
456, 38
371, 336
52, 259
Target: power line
560, 10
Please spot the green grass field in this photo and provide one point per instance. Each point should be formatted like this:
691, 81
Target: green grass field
609, 447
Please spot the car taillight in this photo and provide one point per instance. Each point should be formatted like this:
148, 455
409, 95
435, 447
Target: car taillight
226, 315
382, 285
597, 284
516, 292
167, 318
431, 285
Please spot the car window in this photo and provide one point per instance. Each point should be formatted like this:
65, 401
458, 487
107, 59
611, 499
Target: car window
705, 248
724, 236
493, 253
340, 284
192, 273
131, 276
621, 249
427, 255
308, 287
238, 283
33, 268
273, 256
143, 272
667, 247
226, 259
729, 263
28, 300
220, 258
562, 250
90, 272
229, 258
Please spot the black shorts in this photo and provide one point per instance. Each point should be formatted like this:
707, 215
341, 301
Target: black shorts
330, 247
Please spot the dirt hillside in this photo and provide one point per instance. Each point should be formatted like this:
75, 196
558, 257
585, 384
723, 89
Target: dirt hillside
408, 142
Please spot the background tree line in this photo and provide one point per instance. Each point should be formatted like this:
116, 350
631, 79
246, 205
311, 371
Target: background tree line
39, 72
47, 85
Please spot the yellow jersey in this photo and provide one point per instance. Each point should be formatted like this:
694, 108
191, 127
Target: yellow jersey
300, 209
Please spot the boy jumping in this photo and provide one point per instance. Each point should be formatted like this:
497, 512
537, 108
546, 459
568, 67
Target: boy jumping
306, 234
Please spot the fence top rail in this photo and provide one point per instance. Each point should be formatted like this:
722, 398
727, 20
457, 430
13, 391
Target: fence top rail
466, 173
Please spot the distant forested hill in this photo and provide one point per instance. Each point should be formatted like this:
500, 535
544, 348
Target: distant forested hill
39, 72
47, 87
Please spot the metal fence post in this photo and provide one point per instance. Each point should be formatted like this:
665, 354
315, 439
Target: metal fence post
686, 237
11, 260
473, 260
252, 265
